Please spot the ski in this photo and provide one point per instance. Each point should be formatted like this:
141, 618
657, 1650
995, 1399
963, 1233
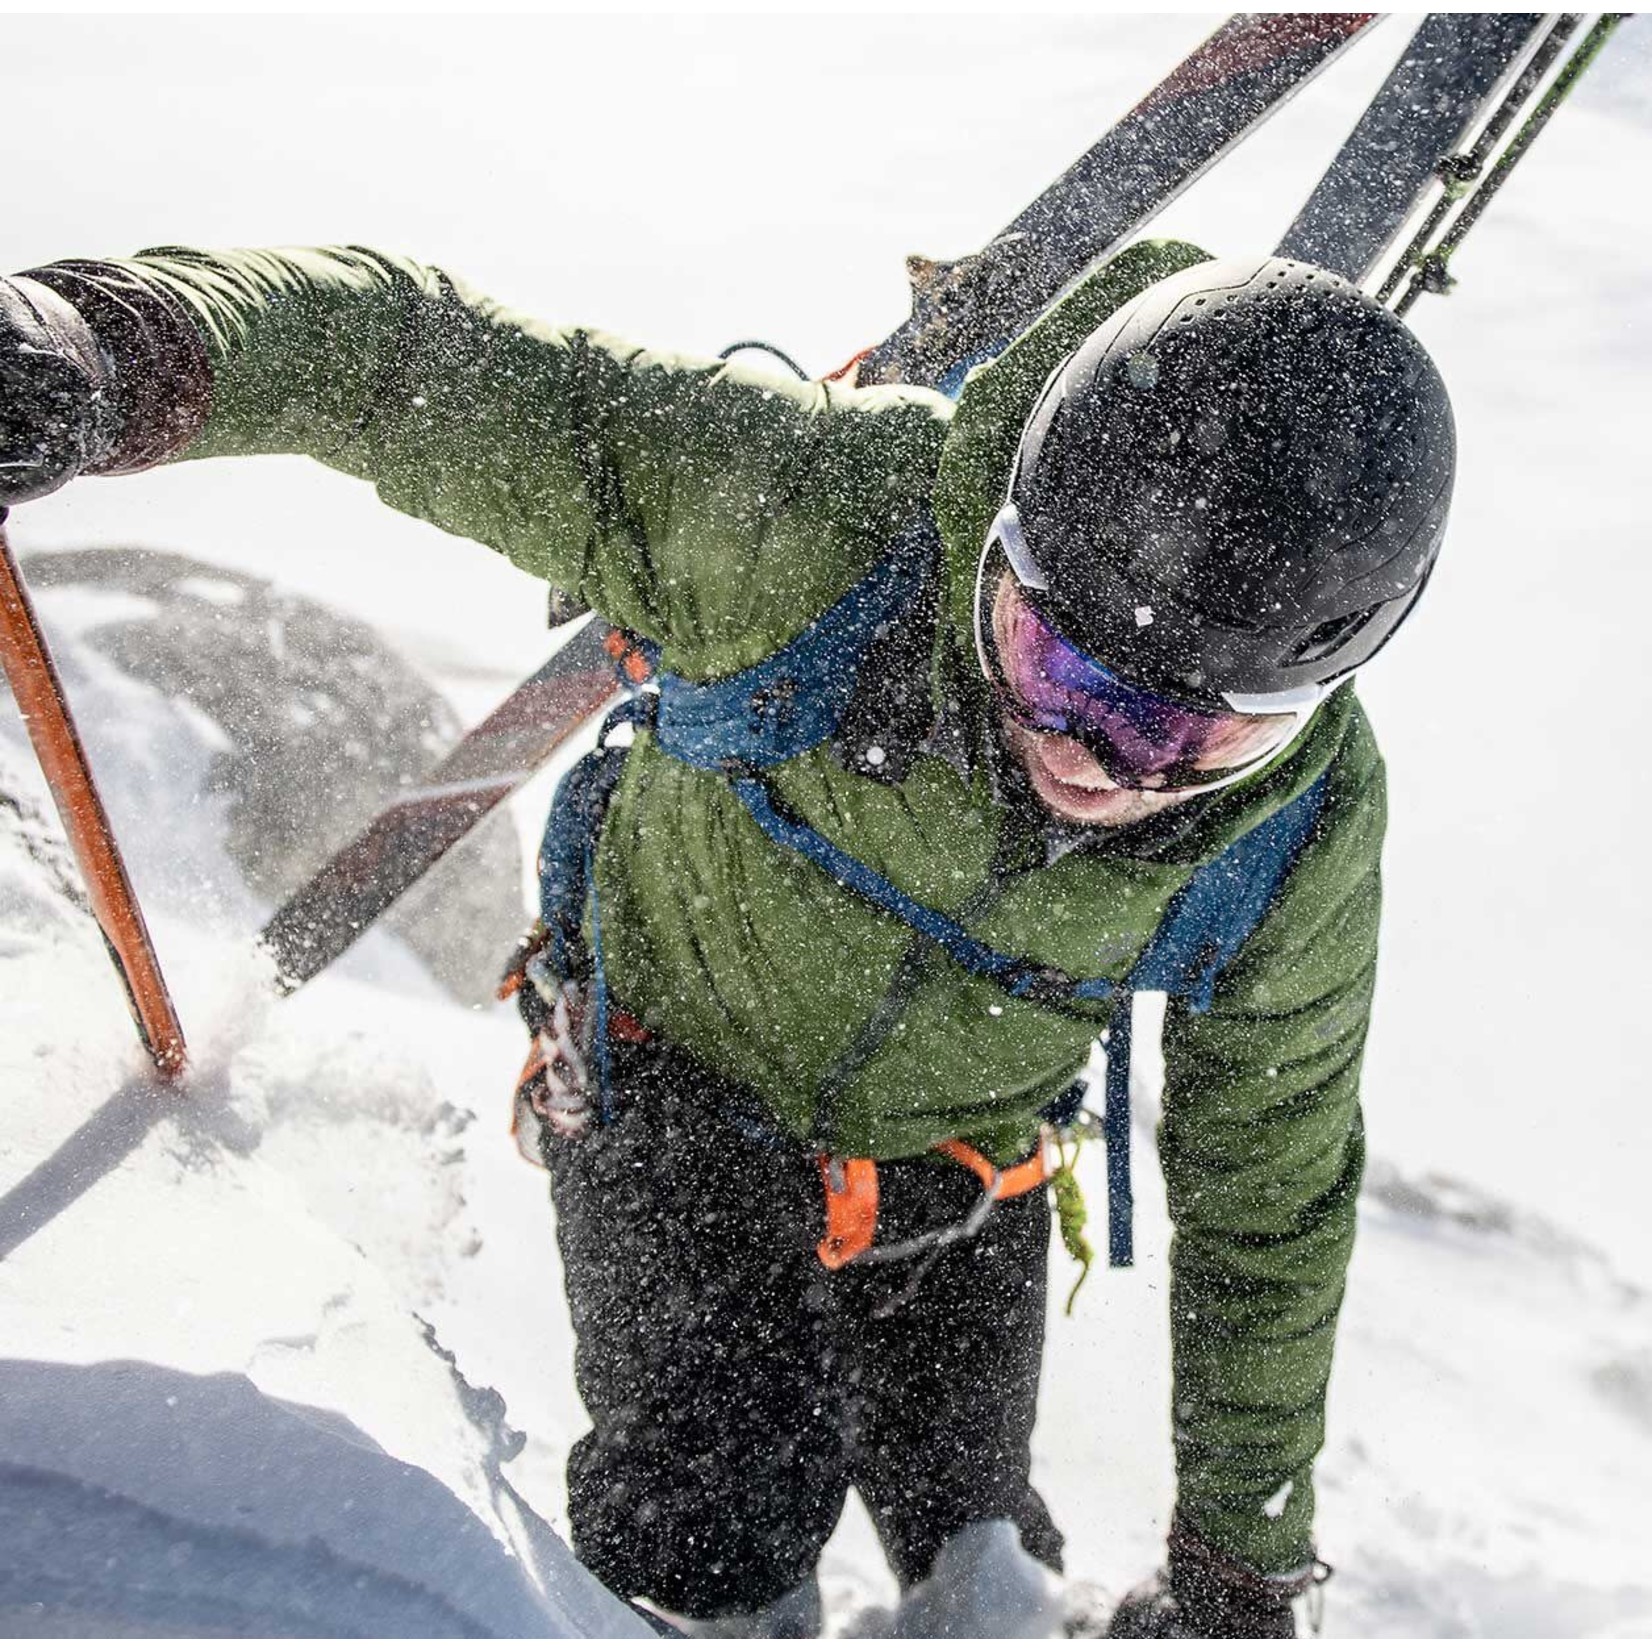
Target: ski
962, 313
1428, 266
421, 823
966, 311
1454, 66
1458, 172
29, 668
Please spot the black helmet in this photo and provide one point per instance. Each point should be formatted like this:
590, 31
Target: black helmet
1237, 485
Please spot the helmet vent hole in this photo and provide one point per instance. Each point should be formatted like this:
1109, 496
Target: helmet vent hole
1326, 639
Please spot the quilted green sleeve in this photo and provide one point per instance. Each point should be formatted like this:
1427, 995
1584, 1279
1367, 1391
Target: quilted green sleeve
1262, 1148
709, 505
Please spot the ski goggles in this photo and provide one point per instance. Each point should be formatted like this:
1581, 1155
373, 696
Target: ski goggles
1145, 740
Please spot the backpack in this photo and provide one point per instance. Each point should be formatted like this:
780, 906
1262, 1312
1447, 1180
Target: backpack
795, 699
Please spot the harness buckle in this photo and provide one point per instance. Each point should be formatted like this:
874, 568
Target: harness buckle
632, 664
851, 1209
773, 708
1048, 987
851, 1190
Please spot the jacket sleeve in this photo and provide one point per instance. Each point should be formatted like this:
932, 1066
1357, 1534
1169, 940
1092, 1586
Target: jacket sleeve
1262, 1147
689, 499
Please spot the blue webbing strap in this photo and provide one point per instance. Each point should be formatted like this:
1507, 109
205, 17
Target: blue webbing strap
1203, 929
1115, 1137
567, 884
601, 1055
1214, 912
1019, 977
792, 700
575, 816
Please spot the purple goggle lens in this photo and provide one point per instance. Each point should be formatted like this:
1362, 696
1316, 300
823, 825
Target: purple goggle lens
1143, 740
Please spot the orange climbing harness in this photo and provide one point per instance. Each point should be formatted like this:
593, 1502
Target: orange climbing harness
852, 1203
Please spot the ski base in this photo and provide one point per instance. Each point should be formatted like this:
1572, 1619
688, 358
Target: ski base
417, 827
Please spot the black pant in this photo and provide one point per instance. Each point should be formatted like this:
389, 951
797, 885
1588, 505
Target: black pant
737, 1389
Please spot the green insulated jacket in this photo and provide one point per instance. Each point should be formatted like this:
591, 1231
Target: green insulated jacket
718, 509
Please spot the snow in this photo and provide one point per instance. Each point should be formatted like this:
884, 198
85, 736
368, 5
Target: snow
984, 1586
291, 1511
322, 1245
288, 1216
1490, 1426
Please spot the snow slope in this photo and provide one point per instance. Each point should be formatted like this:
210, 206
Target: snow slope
331, 1208
292, 1214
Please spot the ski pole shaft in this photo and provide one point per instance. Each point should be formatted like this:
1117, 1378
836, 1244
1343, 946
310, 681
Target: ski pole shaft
1431, 273
28, 666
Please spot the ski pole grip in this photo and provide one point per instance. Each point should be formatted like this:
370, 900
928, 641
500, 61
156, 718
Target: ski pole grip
38, 690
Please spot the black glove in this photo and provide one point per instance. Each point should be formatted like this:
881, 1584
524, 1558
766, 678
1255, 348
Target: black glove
57, 411
1203, 1595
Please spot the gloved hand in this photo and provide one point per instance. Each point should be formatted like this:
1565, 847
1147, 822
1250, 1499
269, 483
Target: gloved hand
1201, 1594
57, 409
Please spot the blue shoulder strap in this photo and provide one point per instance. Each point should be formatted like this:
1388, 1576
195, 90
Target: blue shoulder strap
575, 819
1214, 912
1203, 930
779, 708
795, 698
567, 886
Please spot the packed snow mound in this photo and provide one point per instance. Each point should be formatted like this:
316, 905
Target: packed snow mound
313, 719
290, 1451
138, 1500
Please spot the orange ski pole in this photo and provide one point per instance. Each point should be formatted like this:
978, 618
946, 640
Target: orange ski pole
39, 693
